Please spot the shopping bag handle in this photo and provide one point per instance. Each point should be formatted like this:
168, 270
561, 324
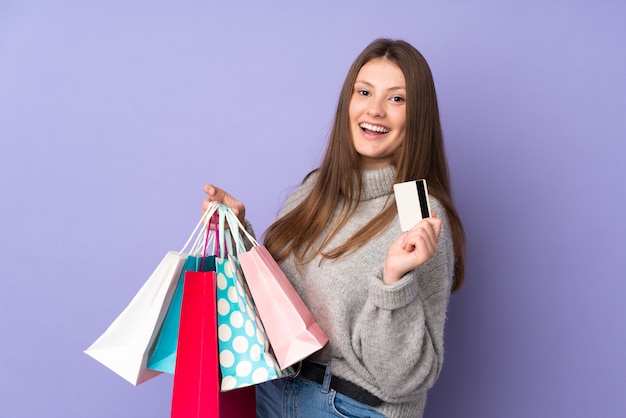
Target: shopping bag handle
198, 231
222, 236
226, 235
235, 226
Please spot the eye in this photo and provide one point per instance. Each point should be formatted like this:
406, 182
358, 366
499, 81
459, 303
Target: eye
363, 93
397, 99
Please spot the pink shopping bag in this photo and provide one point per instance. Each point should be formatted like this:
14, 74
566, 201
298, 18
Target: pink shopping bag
291, 329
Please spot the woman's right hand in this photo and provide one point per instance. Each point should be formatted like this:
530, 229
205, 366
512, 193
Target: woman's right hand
215, 194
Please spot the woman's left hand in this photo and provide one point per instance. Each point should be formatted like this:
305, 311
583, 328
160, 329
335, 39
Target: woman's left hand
412, 249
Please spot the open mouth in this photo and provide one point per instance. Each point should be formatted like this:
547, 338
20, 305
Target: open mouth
367, 127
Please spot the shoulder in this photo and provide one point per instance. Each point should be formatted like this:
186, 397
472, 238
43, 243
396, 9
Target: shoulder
299, 193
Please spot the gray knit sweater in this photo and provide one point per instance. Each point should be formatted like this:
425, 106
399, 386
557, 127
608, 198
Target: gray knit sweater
386, 339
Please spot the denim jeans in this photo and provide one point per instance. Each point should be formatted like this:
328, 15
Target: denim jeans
300, 398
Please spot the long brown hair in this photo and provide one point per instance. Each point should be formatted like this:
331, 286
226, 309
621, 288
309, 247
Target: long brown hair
421, 155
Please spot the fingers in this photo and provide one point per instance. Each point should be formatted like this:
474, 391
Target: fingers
436, 224
421, 243
423, 236
216, 194
211, 191
412, 249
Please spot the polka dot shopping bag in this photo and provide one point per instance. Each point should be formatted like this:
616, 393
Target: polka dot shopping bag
245, 355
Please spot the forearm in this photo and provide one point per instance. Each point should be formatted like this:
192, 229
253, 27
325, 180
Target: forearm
400, 337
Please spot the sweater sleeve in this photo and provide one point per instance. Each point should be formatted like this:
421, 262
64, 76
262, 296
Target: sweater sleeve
398, 335
386, 339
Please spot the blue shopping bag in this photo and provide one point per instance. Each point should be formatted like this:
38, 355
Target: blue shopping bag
163, 358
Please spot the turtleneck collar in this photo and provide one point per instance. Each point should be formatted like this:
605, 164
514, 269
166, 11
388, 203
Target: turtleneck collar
377, 182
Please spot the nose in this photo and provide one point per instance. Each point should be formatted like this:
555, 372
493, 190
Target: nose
376, 108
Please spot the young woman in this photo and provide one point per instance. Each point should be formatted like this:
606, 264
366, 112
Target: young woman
378, 293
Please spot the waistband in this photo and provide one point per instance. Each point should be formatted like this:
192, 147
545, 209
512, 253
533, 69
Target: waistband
315, 372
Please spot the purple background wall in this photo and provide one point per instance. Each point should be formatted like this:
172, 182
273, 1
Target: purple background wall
114, 114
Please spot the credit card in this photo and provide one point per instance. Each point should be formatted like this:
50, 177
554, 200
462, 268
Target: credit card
412, 202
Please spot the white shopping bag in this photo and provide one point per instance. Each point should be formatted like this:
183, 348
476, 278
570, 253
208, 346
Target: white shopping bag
125, 346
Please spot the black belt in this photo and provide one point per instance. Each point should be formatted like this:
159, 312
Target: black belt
315, 373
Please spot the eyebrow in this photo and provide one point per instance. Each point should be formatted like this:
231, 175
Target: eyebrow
371, 85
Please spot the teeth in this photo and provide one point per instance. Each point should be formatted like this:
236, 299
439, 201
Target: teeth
374, 128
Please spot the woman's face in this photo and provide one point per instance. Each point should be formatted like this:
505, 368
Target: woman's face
378, 112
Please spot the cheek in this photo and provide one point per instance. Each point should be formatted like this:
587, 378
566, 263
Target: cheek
400, 118
401, 132
352, 111
400, 123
